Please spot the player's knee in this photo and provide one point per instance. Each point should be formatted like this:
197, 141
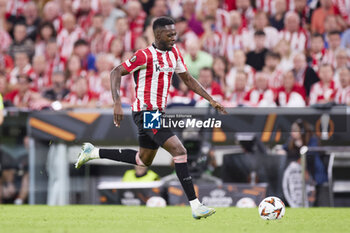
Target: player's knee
181, 155
178, 150
142, 161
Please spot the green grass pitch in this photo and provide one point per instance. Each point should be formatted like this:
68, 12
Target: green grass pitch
105, 219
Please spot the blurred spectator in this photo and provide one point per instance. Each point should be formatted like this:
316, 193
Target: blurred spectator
105, 99
183, 32
40, 77
233, 40
277, 19
286, 54
20, 42
80, 96
110, 14
290, 94
220, 16
304, 75
220, 69
343, 7
323, 91
319, 16
301, 135
82, 50
158, 9
236, 97
51, 13
256, 58
317, 51
31, 19
206, 79
247, 11
195, 58
23, 96
304, 12
84, 14
342, 95
260, 23
261, 95
140, 174
46, 32
69, 35
100, 39
58, 91
272, 61
334, 41
136, 16
294, 33
239, 65
211, 39
124, 33
74, 71
341, 60
175, 8
189, 13
117, 50
54, 61
104, 63
22, 66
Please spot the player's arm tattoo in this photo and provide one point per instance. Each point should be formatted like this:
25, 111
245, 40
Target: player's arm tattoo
115, 78
194, 85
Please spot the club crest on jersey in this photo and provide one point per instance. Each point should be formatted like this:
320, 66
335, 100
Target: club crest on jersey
133, 59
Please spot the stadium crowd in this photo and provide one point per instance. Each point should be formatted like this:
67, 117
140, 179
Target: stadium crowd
261, 53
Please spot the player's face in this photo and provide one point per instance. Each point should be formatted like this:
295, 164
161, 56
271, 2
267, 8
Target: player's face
167, 38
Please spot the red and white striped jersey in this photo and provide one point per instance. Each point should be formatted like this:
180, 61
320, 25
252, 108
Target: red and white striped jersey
66, 40
342, 96
260, 98
212, 43
15, 7
152, 70
230, 43
294, 98
12, 78
222, 20
298, 40
343, 6
320, 92
101, 42
136, 25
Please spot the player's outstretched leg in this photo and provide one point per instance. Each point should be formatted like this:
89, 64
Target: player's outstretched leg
177, 150
89, 152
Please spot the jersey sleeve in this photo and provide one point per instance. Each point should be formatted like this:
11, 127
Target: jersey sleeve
136, 62
180, 64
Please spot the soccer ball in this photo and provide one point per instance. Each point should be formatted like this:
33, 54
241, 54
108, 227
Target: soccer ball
156, 202
271, 208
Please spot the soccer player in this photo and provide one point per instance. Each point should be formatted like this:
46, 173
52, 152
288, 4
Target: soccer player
152, 69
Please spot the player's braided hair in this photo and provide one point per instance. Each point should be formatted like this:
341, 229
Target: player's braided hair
162, 21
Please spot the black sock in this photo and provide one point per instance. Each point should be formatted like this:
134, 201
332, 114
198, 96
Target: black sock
121, 155
186, 180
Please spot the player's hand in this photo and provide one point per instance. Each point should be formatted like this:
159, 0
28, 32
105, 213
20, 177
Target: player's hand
118, 114
218, 107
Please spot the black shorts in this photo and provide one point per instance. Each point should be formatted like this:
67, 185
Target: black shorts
150, 138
